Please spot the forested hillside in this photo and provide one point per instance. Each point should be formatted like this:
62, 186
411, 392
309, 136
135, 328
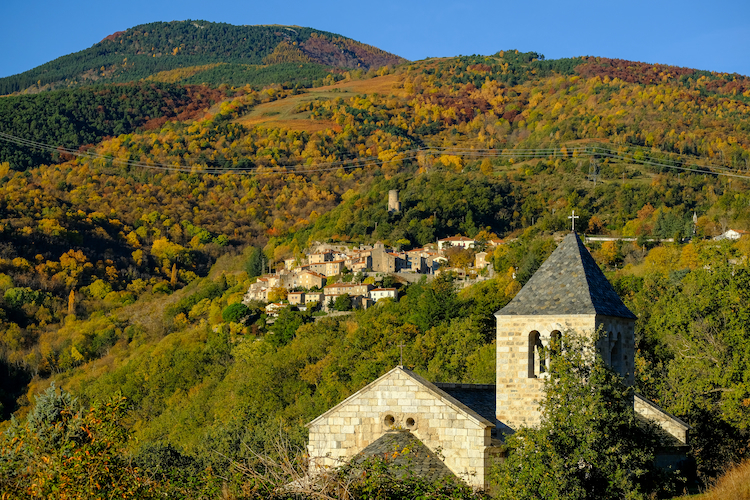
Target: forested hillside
204, 52
126, 238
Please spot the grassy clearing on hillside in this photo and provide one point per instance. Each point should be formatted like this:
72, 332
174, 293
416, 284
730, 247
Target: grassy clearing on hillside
281, 113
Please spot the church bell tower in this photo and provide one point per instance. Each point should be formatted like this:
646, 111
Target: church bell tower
568, 292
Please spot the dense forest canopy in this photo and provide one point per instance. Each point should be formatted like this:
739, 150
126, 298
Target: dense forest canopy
126, 248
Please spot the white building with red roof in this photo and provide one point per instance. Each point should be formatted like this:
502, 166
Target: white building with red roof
456, 241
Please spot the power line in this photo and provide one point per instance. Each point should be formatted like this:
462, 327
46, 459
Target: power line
301, 166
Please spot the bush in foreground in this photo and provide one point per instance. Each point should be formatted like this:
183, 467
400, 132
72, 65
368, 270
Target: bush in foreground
590, 444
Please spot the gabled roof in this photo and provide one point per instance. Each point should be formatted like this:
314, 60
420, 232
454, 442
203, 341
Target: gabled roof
568, 282
439, 394
479, 397
457, 238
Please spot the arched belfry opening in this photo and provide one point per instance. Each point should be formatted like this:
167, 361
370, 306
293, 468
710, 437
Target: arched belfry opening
567, 292
537, 355
542, 348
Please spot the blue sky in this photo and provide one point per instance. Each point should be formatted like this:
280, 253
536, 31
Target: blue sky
713, 35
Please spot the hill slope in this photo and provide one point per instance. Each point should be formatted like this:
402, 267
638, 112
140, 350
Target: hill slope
148, 49
104, 261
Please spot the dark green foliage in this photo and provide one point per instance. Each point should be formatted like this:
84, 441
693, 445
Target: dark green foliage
179, 475
235, 313
77, 117
483, 300
524, 255
256, 262
672, 225
286, 74
19, 296
434, 205
436, 303
521, 67
590, 444
389, 281
283, 329
697, 361
343, 302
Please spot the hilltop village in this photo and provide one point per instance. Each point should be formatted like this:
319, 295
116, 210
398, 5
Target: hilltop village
336, 277
339, 278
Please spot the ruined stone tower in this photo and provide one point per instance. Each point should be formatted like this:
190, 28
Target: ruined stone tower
568, 292
393, 204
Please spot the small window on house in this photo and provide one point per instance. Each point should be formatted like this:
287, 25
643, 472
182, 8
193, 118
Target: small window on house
389, 420
410, 422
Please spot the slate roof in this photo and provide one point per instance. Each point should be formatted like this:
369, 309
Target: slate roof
482, 398
405, 454
568, 282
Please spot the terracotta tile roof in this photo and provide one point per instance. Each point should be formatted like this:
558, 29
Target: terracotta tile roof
457, 238
314, 274
341, 285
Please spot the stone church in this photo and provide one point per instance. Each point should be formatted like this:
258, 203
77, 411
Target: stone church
458, 428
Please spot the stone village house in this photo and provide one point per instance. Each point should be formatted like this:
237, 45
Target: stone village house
465, 423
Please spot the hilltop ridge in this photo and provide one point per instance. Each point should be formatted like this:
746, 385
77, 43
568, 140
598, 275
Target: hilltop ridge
196, 47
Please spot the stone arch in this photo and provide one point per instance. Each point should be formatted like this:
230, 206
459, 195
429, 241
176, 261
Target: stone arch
537, 356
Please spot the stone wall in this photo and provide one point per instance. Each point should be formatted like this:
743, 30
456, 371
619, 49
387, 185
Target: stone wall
617, 347
520, 389
401, 399
671, 424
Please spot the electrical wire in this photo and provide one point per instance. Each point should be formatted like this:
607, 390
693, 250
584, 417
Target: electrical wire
303, 167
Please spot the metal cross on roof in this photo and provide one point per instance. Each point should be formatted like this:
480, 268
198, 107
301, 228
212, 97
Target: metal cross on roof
401, 347
573, 220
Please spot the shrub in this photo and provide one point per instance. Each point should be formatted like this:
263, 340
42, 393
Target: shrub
235, 313
590, 444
